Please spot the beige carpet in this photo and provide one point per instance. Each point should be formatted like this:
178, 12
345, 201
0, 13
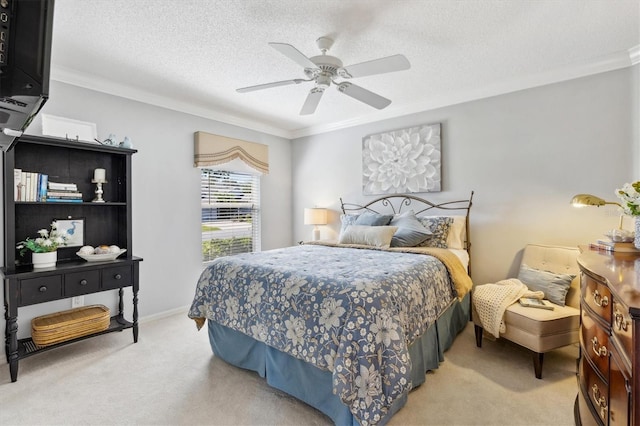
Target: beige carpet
171, 377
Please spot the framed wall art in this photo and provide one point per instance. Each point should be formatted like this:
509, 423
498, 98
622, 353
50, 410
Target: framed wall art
74, 228
402, 161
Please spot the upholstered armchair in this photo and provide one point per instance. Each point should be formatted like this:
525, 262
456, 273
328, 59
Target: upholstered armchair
542, 330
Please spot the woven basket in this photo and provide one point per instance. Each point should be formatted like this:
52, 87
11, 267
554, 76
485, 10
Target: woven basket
67, 325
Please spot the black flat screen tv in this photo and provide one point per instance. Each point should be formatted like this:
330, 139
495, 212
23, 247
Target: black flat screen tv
26, 28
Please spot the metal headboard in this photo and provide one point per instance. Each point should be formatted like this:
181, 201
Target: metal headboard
395, 203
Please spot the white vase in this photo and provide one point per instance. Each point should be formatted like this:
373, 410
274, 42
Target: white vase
636, 240
44, 260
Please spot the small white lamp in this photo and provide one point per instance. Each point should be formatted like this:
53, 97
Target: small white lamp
315, 216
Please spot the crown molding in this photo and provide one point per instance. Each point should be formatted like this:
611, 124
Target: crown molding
74, 78
611, 62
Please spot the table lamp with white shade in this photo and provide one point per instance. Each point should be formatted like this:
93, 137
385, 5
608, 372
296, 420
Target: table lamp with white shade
315, 216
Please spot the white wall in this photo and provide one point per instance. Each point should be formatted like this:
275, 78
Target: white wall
166, 193
525, 155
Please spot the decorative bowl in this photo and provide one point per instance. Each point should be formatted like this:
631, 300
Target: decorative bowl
620, 235
100, 257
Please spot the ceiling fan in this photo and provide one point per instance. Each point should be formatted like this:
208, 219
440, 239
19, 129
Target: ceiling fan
325, 69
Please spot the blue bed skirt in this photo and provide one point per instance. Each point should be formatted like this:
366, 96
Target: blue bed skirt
314, 386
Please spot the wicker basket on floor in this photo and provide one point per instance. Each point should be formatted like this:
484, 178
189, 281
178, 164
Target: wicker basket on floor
67, 325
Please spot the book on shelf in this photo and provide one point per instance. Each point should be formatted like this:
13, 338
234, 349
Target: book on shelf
614, 246
530, 302
29, 186
58, 186
63, 194
64, 200
17, 184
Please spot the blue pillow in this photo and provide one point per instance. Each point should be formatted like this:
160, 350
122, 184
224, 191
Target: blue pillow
410, 231
554, 286
373, 219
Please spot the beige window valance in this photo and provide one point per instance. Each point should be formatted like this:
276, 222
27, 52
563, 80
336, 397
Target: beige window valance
223, 153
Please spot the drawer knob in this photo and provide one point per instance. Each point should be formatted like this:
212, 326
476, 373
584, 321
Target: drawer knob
599, 351
600, 401
620, 321
117, 276
43, 288
599, 300
83, 282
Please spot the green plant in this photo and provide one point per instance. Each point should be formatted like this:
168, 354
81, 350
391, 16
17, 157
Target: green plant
215, 248
47, 241
630, 195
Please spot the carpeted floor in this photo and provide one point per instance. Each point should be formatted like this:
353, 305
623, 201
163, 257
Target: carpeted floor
170, 377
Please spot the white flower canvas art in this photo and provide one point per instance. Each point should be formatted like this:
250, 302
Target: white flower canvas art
402, 161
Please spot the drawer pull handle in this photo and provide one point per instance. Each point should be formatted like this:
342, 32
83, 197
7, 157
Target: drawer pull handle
600, 401
599, 351
620, 321
43, 288
117, 276
83, 282
599, 300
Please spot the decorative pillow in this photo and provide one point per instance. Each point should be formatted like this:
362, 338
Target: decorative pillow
373, 219
439, 228
410, 231
554, 286
376, 236
346, 220
457, 233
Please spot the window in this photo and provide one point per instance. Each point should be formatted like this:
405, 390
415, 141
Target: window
230, 213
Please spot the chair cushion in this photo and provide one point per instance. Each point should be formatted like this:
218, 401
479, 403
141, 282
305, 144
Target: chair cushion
542, 322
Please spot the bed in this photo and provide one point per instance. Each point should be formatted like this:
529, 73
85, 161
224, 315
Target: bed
349, 327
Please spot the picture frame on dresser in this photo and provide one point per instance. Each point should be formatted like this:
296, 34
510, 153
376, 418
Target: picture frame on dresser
68, 162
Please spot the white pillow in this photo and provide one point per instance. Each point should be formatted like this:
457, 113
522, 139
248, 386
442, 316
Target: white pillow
457, 233
375, 236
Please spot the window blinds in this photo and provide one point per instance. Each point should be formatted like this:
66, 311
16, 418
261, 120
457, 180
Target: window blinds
230, 213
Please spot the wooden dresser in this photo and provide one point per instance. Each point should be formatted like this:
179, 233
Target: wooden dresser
609, 363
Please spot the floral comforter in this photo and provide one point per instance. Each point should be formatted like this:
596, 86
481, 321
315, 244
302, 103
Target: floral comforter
350, 311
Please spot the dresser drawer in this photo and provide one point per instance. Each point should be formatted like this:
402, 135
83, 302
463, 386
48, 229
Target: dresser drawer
121, 276
597, 390
78, 283
597, 296
622, 326
41, 289
595, 343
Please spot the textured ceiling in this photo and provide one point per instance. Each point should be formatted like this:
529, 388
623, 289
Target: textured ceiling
191, 55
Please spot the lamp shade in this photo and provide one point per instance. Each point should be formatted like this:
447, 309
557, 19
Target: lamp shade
315, 216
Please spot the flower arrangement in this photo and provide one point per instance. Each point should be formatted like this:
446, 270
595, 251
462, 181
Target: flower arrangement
48, 241
630, 196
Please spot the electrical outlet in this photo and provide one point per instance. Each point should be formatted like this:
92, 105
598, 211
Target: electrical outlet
77, 301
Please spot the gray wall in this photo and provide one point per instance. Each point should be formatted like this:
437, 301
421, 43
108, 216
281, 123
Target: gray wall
525, 154
166, 193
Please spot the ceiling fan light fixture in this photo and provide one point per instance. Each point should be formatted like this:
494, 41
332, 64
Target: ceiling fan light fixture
323, 69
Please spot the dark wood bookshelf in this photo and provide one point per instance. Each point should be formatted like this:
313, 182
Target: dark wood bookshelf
107, 223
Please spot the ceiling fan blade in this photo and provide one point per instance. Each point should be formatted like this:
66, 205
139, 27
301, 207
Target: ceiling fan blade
313, 99
294, 54
376, 66
363, 95
268, 85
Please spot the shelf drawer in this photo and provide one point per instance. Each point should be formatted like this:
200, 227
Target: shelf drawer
597, 296
595, 343
78, 283
120, 276
620, 392
41, 289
